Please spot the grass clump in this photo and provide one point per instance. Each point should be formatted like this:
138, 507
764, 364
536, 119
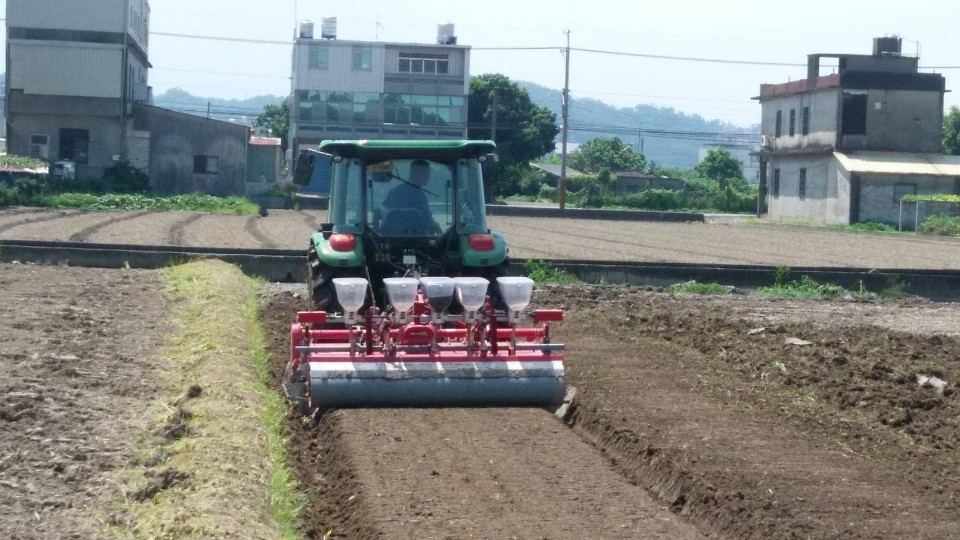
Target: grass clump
804, 288
544, 272
224, 474
940, 225
693, 287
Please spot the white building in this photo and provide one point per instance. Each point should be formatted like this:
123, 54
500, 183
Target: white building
375, 90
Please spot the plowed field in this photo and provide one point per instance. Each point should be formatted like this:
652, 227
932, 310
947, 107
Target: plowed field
696, 417
532, 238
698, 401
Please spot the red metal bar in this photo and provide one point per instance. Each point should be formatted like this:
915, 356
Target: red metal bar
316, 318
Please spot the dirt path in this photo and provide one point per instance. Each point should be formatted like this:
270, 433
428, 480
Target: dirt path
76, 369
546, 238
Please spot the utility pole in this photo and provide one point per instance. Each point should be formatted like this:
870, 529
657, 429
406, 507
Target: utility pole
562, 185
208, 109
493, 119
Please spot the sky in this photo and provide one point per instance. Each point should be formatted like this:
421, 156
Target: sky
734, 30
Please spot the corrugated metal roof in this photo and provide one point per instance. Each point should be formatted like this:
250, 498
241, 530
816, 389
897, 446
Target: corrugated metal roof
264, 141
899, 163
553, 169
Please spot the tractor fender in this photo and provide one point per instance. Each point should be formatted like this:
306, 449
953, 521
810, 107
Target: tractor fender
470, 257
337, 259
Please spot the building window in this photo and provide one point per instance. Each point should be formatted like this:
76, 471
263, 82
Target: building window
779, 128
424, 63
362, 58
75, 145
793, 122
40, 146
427, 110
802, 189
206, 164
318, 57
806, 121
854, 121
776, 183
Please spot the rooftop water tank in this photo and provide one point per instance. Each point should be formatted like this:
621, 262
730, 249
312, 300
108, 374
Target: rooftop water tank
306, 30
328, 28
887, 46
446, 34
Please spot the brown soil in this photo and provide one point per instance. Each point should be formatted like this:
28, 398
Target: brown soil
737, 433
531, 238
694, 417
76, 370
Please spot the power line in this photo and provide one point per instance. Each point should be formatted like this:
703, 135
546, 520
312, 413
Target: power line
690, 58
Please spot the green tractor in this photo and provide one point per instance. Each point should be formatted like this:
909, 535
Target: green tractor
401, 209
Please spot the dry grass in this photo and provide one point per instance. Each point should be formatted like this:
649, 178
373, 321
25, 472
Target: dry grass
213, 462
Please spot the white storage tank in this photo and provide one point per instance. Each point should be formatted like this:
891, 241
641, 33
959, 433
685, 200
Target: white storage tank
446, 34
306, 30
328, 28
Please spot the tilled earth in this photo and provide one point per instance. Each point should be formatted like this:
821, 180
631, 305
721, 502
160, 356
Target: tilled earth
76, 370
701, 402
731, 416
528, 238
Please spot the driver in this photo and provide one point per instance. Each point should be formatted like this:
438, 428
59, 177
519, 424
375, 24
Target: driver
409, 195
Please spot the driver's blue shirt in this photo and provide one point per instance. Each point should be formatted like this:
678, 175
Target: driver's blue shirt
406, 209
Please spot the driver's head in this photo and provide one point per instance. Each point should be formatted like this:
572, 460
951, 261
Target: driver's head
420, 172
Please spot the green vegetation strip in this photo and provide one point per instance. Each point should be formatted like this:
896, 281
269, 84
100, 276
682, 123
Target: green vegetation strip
694, 287
214, 464
121, 201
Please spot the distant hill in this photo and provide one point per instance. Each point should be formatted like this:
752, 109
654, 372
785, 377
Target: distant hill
589, 118
243, 111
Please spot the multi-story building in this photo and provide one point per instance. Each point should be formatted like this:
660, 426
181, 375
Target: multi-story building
375, 90
845, 146
74, 70
77, 90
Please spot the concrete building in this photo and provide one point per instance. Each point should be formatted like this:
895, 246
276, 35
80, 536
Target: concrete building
74, 69
844, 147
77, 89
375, 90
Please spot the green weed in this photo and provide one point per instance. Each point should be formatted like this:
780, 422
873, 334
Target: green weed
693, 287
544, 272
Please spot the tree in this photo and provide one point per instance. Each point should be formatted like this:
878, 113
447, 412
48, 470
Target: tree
951, 132
720, 166
525, 131
606, 153
275, 119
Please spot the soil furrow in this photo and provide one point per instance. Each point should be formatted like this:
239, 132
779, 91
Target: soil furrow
47, 216
176, 234
253, 229
85, 233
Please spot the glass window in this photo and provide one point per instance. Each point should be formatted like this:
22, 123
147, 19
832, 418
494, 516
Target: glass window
776, 183
362, 58
416, 66
779, 127
402, 204
443, 66
405, 65
318, 57
206, 164
346, 214
806, 121
802, 189
793, 122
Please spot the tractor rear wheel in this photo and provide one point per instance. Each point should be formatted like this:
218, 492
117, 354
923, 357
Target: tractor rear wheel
321, 296
321, 293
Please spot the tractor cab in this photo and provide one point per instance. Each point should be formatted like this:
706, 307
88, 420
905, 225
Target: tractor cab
404, 208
